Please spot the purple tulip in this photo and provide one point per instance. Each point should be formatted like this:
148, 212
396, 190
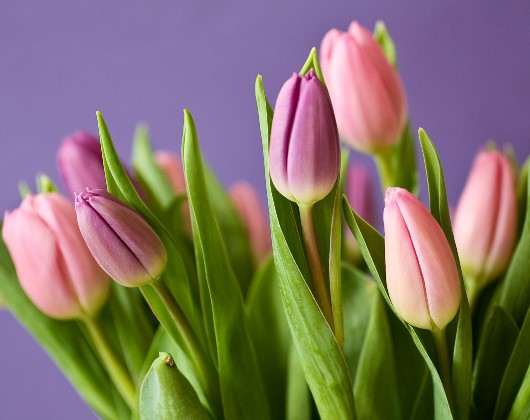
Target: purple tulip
366, 91
53, 263
485, 222
122, 242
304, 150
421, 272
80, 163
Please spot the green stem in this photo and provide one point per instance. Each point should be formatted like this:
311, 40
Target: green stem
472, 290
115, 368
384, 167
193, 348
315, 265
444, 364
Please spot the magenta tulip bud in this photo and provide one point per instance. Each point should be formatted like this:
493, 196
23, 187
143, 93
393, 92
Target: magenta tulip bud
120, 240
80, 163
366, 91
304, 155
485, 222
249, 207
421, 272
53, 263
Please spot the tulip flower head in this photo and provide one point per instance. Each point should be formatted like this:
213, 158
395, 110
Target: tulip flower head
249, 207
485, 222
122, 242
421, 272
367, 94
304, 155
80, 163
53, 263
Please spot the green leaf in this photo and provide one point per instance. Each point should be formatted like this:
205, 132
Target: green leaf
357, 293
522, 193
496, 346
521, 406
166, 394
46, 185
298, 398
375, 387
403, 162
463, 347
241, 386
514, 373
325, 369
385, 41
64, 341
312, 63
372, 247
270, 334
515, 287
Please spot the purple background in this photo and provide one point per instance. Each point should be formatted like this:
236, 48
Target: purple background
466, 67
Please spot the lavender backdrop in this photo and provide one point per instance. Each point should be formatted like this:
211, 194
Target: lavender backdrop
466, 66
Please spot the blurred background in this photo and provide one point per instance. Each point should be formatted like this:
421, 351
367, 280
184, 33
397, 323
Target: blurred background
465, 65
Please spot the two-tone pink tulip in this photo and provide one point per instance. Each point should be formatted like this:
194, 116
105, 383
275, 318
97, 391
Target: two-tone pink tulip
248, 205
304, 154
485, 222
421, 272
53, 263
121, 241
366, 91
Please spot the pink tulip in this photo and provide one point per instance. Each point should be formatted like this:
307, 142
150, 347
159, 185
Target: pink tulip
359, 194
421, 273
366, 91
249, 207
120, 240
304, 150
171, 165
485, 220
53, 263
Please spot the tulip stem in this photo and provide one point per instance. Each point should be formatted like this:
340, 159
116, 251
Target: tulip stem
444, 364
193, 348
115, 368
384, 167
316, 272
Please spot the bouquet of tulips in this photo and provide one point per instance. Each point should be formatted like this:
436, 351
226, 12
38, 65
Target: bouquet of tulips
156, 292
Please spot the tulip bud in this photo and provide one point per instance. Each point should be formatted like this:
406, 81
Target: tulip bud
485, 223
249, 207
421, 273
359, 193
120, 240
80, 163
304, 150
53, 263
366, 91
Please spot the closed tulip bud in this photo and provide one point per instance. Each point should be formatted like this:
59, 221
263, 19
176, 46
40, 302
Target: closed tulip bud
120, 240
53, 263
359, 193
249, 207
366, 91
485, 222
80, 163
421, 273
304, 153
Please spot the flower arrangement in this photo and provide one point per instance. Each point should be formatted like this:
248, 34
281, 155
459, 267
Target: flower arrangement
159, 294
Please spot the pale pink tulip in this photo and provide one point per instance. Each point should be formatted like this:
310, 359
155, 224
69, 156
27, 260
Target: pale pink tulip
249, 207
421, 273
53, 263
485, 222
366, 91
